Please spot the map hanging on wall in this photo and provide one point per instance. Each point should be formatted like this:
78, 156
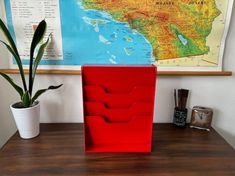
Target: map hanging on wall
173, 34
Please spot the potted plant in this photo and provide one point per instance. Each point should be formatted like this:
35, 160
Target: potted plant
27, 111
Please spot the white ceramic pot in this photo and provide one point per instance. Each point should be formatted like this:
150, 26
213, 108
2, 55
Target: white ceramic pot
27, 120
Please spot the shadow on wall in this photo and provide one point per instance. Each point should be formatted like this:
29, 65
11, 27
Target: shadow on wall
63, 105
229, 136
226, 134
7, 123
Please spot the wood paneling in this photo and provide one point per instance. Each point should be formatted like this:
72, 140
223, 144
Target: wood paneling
58, 150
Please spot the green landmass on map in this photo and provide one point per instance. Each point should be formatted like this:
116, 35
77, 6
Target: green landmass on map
174, 28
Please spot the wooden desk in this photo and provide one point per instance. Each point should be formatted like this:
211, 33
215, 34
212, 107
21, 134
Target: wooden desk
59, 151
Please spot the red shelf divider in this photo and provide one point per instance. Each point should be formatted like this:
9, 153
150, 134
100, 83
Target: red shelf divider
118, 107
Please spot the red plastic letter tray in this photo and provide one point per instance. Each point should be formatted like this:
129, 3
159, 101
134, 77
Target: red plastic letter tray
118, 106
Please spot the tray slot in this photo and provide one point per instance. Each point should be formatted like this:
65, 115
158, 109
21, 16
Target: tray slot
118, 115
119, 78
137, 94
100, 132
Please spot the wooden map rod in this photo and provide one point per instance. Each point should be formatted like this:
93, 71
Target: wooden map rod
160, 73
194, 73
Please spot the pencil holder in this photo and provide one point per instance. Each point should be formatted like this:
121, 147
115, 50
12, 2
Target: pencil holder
180, 117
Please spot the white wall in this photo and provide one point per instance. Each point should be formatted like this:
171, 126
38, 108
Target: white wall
7, 124
64, 105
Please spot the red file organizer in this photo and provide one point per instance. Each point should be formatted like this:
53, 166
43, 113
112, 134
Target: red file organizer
118, 107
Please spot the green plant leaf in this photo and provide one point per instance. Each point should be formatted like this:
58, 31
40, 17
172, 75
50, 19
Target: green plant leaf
17, 88
8, 36
40, 92
13, 50
17, 59
38, 59
26, 99
37, 37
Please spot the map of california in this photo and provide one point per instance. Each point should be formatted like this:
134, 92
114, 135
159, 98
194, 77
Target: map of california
174, 28
172, 34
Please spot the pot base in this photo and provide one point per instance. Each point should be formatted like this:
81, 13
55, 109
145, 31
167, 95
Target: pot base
27, 120
29, 134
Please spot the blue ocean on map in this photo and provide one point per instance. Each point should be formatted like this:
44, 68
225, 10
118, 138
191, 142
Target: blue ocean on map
93, 37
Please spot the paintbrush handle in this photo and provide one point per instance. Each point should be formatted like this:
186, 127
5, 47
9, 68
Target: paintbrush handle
175, 97
184, 98
179, 98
